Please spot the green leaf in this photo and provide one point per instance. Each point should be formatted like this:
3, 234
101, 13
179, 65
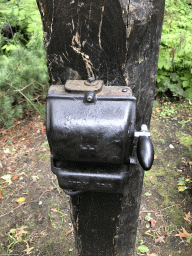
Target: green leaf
186, 84
148, 216
147, 194
9, 47
143, 248
189, 93
189, 238
181, 180
5, 57
16, 11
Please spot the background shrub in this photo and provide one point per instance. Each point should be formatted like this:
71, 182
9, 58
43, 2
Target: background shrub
175, 58
23, 70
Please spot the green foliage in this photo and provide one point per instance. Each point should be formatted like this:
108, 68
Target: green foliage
23, 13
175, 58
23, 70
143, 248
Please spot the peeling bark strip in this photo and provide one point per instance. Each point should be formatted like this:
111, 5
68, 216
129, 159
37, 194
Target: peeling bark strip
116, 41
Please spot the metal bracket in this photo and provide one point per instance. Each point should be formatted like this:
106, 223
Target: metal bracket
144, 131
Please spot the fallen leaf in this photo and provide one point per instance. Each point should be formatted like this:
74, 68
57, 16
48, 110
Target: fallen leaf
182, 188
1, 197
21, 200
7, 178
6, 151
187, 216
153, 223
12, 230
148, 216
28, 250
35, 178
19, 232
54, 210
184, 234
150, 179
159, 239
69, 231
15, 178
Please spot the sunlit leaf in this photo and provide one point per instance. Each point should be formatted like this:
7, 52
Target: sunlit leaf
12, 230
21, 200
182, 188
7, 178
6, 151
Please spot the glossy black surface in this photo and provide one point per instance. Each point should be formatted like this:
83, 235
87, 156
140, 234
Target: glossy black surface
145, 152
91, 141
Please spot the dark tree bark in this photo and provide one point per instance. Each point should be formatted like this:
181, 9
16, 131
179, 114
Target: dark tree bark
116, 41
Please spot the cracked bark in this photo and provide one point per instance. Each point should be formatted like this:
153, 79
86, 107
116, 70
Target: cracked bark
116, 41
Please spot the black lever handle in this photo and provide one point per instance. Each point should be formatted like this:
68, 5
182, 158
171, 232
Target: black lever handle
145, 152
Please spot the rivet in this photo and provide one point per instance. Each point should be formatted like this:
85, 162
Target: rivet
124, 90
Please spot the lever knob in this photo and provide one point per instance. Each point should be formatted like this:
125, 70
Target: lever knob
145, 152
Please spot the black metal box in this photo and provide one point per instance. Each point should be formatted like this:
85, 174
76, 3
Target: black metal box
90, 127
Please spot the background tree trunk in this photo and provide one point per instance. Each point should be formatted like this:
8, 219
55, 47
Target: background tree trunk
116, 41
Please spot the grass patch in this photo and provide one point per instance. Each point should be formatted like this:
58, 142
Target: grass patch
185, 140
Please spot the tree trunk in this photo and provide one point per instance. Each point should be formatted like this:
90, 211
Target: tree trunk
116, 41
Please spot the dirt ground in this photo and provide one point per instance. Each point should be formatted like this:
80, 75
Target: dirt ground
40, 224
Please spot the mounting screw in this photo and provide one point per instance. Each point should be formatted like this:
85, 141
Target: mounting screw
89, 97
124, 90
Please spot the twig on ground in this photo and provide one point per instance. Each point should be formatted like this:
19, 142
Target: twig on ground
12, 209
171, 206
44, 193
55, 186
